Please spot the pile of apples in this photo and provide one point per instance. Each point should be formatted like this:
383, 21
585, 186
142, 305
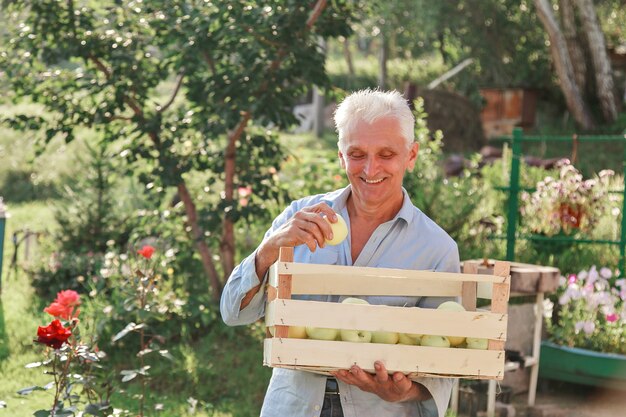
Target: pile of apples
365, 336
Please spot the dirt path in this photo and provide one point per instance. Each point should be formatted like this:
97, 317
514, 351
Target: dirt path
573, 400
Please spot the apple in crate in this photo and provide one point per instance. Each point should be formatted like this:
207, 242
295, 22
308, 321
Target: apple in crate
434, 341
390, 338
340, 230
321, 333
295, 332
477, 343
348, 335
453, 306
409, 338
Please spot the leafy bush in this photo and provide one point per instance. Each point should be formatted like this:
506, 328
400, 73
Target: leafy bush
65, 270
21, 185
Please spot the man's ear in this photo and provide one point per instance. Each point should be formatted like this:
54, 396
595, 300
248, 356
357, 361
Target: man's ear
342, 161
413, 156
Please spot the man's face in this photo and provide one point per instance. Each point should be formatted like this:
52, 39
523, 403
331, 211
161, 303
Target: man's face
375, 157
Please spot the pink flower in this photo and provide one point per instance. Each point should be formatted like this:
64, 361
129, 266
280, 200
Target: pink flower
611, 317
571, 279
244, 191
147, 251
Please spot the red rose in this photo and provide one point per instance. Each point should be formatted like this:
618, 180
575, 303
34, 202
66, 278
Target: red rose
59, 310
68, 298
64, 305
53, 335
146, 251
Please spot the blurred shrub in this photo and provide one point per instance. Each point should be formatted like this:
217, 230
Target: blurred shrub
23, 185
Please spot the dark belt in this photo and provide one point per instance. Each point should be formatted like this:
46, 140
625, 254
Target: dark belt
332, 387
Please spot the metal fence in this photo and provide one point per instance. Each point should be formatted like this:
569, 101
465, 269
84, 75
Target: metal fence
516, 141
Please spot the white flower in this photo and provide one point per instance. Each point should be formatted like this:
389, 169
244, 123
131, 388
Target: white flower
605, 273
589, 327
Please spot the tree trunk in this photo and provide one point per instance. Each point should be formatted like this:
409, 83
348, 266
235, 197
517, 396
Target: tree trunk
563, 65
382, 62
227, 244
348, 56
600, 60
576, 53
198, 237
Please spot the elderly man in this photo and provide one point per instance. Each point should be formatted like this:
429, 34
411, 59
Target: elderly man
376, 147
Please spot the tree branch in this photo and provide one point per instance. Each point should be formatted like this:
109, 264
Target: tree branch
317, 11
209, 61
161, 109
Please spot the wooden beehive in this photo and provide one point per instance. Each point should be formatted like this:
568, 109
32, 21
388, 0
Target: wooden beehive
287, 278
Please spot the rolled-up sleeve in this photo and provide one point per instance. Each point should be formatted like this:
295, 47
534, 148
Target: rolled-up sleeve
243, 279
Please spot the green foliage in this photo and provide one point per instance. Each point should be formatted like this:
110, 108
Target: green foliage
96, 210
467, 29
440, 197
63, 270
226, 66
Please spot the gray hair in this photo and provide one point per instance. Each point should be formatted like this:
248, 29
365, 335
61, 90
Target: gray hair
370, 105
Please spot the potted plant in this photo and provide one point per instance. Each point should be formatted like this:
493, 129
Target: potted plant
564, 207
587, 330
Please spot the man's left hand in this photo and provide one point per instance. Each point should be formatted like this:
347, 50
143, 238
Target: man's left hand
392, 388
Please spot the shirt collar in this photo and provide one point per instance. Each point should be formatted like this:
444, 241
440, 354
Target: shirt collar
337, 200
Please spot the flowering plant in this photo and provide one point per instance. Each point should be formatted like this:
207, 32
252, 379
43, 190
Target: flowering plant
70, 359
591, 312
566, 204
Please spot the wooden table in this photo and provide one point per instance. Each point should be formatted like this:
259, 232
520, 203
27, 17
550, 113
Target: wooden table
526, 279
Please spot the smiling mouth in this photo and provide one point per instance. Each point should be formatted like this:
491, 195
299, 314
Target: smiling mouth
372, 181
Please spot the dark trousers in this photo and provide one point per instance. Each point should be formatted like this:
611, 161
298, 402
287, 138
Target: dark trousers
332, 406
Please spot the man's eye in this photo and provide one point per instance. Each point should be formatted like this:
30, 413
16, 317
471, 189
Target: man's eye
387, 155
357, 156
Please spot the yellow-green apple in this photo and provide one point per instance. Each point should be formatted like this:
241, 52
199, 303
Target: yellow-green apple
390, 338
321, 333
409, 338
340, 230
295, 332
477, 343
434, 341
347, 335
453, 306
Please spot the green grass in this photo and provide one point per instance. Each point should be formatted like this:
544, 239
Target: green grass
19, 317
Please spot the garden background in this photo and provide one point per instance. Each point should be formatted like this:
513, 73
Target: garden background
172, 124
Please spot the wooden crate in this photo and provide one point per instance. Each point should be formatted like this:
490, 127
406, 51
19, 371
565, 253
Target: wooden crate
287, 278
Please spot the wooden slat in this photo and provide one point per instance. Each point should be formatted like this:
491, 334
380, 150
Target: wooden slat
397, 358
284, 286
370, 285
342, 270
481, 324
499, 303
272, 293
469, 288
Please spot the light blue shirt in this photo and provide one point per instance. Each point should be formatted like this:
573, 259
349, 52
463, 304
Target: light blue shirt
410, 240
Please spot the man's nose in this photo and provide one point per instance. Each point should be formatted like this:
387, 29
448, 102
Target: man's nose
371, 166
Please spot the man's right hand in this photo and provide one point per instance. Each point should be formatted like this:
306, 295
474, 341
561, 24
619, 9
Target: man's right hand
305, 227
